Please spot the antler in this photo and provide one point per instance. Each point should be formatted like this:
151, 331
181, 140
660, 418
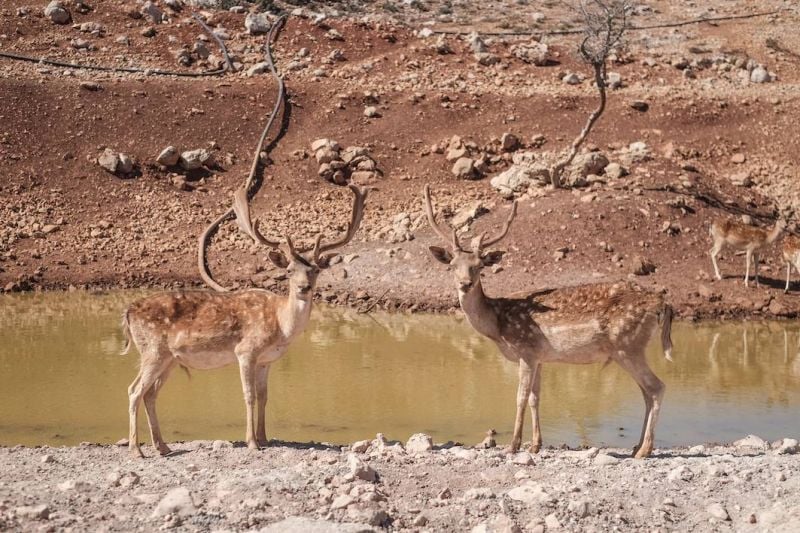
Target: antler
359, 197
241, 207
504, 231
432, 221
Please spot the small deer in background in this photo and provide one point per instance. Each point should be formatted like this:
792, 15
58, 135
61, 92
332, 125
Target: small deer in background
576, 325
791, 254
205, 330
740, 236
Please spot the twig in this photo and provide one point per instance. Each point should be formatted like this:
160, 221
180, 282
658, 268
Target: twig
373, 304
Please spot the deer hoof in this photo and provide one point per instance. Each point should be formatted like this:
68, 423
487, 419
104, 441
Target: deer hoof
253, 445
136, 453
535, 448
163, 449
641, 453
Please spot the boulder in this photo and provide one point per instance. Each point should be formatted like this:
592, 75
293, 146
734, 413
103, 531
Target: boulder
257, 23
168, 157
464, 168
109, 160
534, 53
57, 13
760, 75
194, 159
589, 163
419, 443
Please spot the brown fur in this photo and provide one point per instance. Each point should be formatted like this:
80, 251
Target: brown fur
791, 255
742, 237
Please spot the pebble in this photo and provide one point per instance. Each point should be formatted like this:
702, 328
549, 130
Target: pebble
419, 443
371, 112
718, 511
177, 501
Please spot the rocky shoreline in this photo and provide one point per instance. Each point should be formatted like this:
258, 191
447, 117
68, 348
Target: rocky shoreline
750, 485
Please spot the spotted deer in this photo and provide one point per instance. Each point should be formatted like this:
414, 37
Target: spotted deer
205, 330
740, 236
791, 255
576, 325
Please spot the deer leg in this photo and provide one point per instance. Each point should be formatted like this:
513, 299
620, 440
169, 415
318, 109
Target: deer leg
262, 374
533, 401
146, 378
788, 276
748, 260
653, 391
150, 409
247, 371
755, 266
523, 392
714, 252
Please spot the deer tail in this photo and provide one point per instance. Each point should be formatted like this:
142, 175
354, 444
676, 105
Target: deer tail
126, 330
665, 319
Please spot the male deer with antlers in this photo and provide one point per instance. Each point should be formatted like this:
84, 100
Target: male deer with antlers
205, 330
577, 325
743, 237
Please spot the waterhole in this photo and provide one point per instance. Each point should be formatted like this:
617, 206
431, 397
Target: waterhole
349, 376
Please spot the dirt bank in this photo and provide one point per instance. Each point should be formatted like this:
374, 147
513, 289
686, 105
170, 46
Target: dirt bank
372, 486
715, 145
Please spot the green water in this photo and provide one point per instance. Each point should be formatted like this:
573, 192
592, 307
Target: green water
62, 381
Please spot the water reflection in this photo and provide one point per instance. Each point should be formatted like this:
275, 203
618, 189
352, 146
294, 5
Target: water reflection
350, 376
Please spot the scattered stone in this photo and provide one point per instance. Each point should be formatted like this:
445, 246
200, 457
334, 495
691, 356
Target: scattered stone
579, 508
297, 524
419, 443
529, 494
680, 473
258, 68
604, 459
522, 458
57, 13
341, 502
72, 485
257, 23
464, 168
41, 511
497, 524
371, 112
571, 79
220, 444
615, 171
510, 142
194, 159
614, 80
718, 511
760, 75
169, 156
150, 10
741, 179
534, 53
788, 447
551, 521
177, 501
751, 441
738, 158
641, 266
361, 470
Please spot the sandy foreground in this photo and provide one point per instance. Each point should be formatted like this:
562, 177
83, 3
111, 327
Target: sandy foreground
750, 485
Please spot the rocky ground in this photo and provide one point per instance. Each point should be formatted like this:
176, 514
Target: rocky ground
376, 485
699, 126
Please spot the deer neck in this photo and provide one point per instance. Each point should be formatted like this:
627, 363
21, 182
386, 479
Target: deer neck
479, 312
774, 234
293, 314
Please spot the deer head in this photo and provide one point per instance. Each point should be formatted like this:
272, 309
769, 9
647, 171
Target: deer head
301, 267
467, 263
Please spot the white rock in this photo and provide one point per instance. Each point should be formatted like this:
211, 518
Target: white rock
680, 473
551, 521
419, 443
579, 508
464, 168
371, 112
76, 486
220, 444
109, 160
718, 511
33, 511
497, 524
583, 455
258, 68
150, 10
424, 33
361, 470
169, 156
194, 159
360, 446
529, 494
760, 75
605, 459
342, 501
571, 79
751, 441
479, 493
522, 458
57, 13
789, 447
256, 23
534, 52
614, 80
177, 501
325, 143
297, 524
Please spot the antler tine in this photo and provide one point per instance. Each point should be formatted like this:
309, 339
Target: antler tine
504, 231
432, 220
359, 198
241, 207
294, 253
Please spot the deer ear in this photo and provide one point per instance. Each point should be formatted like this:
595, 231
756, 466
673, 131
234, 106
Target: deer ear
278, 259
492, 258
440, 254
325, 260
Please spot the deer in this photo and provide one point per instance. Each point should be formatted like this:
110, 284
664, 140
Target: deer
791, 255
610, 322
205, 330
743, 237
